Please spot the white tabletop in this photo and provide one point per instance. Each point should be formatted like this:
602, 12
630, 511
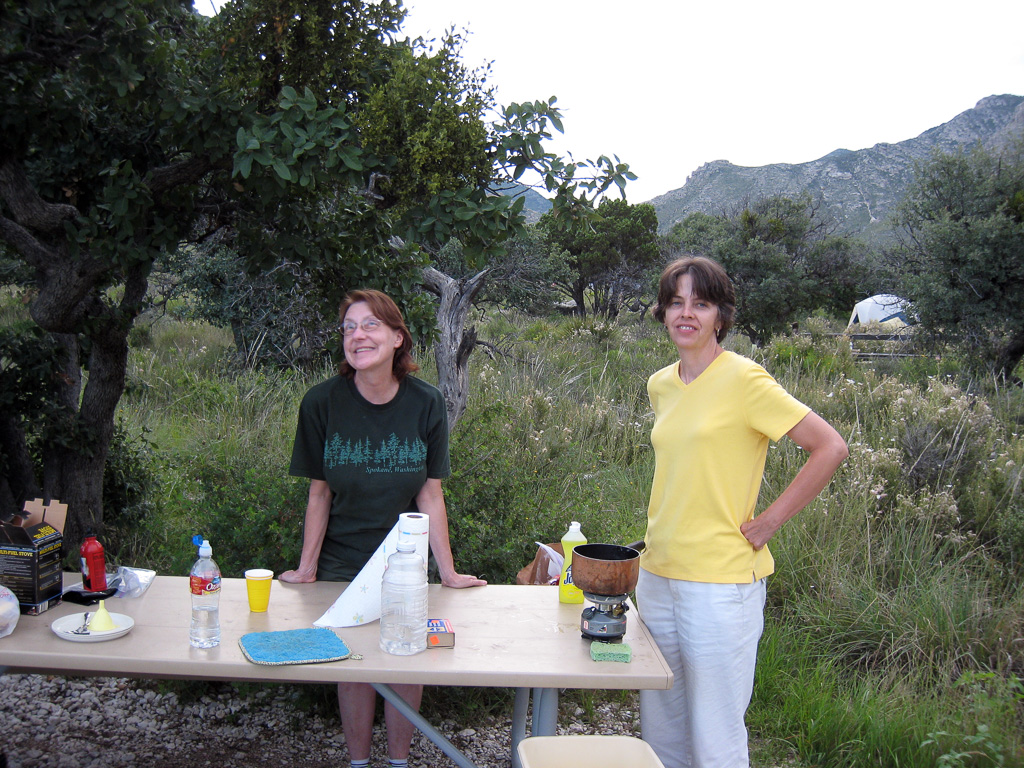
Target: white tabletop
505, 636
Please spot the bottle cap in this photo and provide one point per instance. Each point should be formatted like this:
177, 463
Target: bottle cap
405, 545
205, 550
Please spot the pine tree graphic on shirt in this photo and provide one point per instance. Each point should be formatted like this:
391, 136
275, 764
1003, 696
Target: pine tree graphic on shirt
392, 456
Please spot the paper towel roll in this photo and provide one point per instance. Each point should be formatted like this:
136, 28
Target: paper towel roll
415, 526
360, 602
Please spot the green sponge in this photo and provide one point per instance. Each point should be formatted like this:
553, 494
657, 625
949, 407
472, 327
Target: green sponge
600, 651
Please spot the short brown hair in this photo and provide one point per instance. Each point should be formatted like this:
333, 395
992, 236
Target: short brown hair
710, 282
384, 309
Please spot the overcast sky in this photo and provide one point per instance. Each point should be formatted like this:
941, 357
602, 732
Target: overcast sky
668, 85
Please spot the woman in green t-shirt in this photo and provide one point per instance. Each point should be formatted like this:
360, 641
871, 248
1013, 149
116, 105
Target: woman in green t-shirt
374, 443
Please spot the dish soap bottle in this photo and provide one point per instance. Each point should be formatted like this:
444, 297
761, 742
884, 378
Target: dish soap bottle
567, 591
205, 583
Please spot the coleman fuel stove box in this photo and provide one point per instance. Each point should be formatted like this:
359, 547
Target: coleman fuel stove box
31, 551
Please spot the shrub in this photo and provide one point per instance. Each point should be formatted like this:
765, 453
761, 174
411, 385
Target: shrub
130, 488
888, 585
252, 514
824, 357
601, 332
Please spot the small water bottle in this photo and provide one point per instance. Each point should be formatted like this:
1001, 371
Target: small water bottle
205, 583
403, 603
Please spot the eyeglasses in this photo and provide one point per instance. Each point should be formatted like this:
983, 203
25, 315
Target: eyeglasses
369, 325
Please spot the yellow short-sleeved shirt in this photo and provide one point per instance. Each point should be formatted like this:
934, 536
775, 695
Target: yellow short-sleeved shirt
710, 441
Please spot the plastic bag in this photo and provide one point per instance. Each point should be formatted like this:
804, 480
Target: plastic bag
546, 567
134, 581
10, 610
121, 582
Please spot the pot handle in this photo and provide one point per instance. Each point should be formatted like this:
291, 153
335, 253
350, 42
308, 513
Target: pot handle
637, 545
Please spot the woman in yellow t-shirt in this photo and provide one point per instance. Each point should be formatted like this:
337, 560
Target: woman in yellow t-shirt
701, 590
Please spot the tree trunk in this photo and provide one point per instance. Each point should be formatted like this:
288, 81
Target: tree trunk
578, 293
19, 482
1010, 357
82, 475
455, 342
73, 467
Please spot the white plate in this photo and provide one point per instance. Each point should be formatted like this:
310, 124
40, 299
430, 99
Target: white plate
63, 627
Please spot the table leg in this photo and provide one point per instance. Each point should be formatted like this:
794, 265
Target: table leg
545, 711
545, 716
519, 709
414, 717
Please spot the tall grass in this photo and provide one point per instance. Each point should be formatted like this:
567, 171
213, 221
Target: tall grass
222, 441
895, 621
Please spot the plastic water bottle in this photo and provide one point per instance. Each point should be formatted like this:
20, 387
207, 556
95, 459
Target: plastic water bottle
567, 591
205, 583
403, 603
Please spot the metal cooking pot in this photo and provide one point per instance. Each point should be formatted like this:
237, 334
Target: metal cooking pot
605, 569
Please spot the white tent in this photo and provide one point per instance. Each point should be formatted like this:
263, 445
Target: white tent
884, 309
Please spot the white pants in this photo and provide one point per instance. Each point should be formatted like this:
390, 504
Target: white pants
708, 633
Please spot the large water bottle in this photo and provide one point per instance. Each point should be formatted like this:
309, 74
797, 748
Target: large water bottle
403, 603
205, 583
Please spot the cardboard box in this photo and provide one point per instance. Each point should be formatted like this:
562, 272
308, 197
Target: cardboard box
31, 555
440, 633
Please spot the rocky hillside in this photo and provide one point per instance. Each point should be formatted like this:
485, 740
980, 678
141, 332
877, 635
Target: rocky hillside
859, 187
534, 207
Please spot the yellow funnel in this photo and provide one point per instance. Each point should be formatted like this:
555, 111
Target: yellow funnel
101, 621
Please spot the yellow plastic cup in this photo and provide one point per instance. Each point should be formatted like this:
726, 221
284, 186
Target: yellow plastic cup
257, 585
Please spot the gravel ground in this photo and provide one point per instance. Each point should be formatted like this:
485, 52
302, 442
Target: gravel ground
60, 722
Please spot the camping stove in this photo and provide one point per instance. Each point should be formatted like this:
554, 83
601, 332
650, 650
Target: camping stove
606, 618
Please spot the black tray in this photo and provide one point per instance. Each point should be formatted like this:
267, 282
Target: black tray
75, 593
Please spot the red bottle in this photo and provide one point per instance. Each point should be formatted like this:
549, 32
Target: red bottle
94, 567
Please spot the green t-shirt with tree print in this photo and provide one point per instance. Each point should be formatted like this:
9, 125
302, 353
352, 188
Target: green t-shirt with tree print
375, 458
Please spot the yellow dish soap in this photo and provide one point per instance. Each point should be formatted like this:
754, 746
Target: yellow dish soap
567, 591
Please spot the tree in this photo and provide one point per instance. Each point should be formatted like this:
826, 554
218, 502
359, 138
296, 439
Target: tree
483, 220
606, 255
94, 156
131, 130
783, 258
526, 276
276, 315
435, 171
960, 230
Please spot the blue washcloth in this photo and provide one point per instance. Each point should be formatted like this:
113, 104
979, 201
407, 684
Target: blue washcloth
294, 646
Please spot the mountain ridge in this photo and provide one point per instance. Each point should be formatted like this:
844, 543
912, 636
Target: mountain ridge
860, 188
